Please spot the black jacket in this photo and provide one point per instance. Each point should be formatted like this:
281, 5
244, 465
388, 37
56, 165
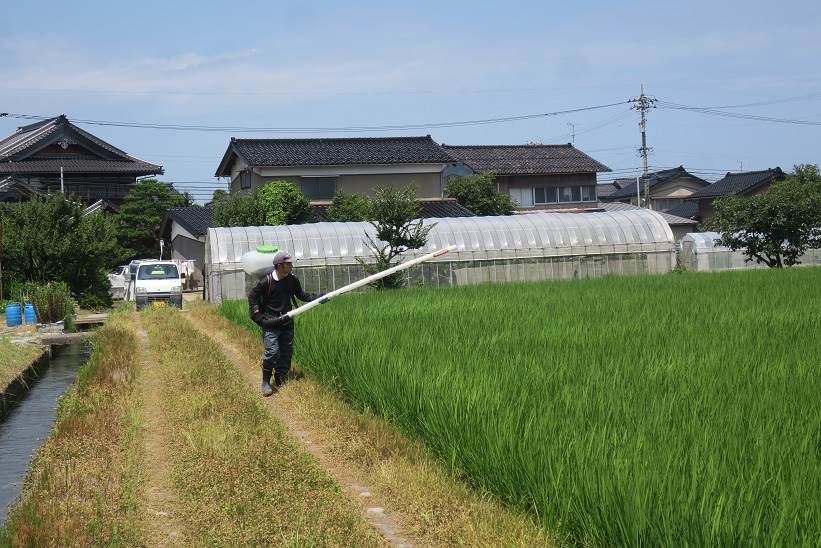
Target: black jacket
273, 298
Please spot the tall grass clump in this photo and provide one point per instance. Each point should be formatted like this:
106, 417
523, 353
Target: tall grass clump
82, 488
52, 301
654, 410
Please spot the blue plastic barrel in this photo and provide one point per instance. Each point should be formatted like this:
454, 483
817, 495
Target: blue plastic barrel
13, 314
29, 314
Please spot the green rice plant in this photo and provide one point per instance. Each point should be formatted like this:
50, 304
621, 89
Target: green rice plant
652, 410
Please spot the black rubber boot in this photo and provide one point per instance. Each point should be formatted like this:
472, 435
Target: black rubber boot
265, 387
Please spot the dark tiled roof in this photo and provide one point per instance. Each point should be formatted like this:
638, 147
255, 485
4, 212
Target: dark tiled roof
447, 207
52, 167
333, 152
11, 187
739, 183
687, 209
628, 186
196, 220
27, 140
603, 190
525, 159
672, 220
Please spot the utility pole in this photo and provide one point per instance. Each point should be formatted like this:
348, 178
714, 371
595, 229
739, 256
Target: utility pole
572, 132
643, 103
1, 259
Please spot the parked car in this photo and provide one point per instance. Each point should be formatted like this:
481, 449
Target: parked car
157, 283
119, 282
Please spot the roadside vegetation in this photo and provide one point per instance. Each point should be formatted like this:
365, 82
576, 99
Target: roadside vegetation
83, 484
239, 478
14, 359
435, 506
658, 410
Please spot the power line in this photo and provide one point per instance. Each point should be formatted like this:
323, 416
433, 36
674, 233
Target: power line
344, 129
740, 115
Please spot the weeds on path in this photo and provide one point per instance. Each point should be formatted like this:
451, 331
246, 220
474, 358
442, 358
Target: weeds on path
239, 479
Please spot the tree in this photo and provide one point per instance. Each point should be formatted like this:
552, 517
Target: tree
777, 227
478, 194
49, 239
240, 209
396, 218
140, 217
349, 207
282, 204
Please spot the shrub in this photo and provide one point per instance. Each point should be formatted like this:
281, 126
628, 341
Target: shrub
240, 209
478, 194
349, 207
281, 203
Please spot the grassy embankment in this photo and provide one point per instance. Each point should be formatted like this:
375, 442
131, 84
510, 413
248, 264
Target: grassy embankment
14, 359
239, 479
645, 410
83, 483
435, 507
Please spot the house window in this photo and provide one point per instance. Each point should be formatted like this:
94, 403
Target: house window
666, 204
588, 193
570, 194
522, 196
318, 188
547, 195
244, 179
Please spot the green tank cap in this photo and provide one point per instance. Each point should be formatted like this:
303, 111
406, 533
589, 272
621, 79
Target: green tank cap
267, 248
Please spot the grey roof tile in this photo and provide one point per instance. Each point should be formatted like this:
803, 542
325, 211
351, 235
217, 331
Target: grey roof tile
628, 186
525, 159
196, 220
739, 183
334, 152
80, 166
15, 148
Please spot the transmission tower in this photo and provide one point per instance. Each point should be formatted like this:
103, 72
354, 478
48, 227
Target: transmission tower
643, 103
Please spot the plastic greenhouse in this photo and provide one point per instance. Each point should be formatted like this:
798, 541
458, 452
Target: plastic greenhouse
527, 247
700, 253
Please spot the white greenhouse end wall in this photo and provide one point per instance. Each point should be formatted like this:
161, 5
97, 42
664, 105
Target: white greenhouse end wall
700, 253
528, 247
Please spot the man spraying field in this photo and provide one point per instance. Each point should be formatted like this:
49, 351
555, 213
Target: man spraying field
268, 303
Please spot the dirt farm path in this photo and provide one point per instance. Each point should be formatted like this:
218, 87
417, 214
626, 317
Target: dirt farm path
377, 512
162, 527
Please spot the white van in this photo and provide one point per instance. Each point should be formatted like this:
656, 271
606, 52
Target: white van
157, 283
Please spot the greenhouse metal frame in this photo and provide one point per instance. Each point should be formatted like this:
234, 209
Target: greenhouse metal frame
527, 247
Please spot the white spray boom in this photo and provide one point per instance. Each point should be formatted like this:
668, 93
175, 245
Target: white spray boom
365, 281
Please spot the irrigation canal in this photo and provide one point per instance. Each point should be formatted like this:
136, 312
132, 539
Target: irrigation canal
29, 420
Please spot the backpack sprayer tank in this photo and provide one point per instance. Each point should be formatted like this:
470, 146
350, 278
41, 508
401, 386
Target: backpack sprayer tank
259, 263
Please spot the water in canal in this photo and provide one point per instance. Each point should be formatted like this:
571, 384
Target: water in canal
28, 423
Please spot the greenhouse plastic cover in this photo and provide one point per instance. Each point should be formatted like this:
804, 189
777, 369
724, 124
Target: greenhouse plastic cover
532, 234
703, 241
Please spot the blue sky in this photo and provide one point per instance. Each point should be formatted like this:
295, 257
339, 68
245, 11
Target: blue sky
309, 64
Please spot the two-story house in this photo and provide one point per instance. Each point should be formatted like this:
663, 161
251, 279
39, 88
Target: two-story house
54, 155
322, 167
534, 175
668, 189
699, 205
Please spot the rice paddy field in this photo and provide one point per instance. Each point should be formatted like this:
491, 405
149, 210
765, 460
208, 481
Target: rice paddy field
676, 409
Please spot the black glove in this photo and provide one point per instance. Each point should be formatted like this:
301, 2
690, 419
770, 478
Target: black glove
276, 322
256, 316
